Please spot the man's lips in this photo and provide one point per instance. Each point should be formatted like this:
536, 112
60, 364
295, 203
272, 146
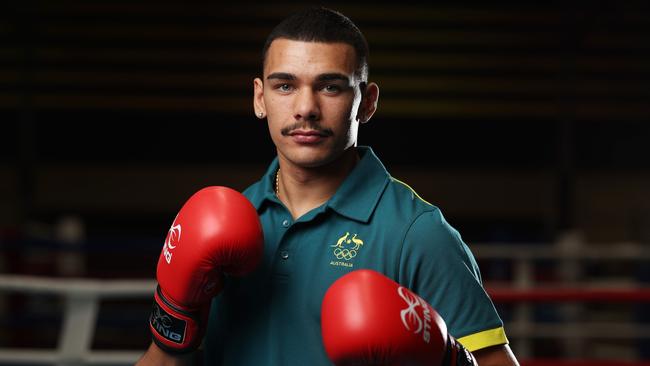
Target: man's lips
307, 133
301, 136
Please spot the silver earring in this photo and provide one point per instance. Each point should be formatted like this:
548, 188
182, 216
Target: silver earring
261, 114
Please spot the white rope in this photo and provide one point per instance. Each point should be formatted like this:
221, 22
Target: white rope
69, 286
82, 300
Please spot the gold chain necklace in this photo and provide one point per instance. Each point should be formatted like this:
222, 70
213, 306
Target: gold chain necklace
277, 183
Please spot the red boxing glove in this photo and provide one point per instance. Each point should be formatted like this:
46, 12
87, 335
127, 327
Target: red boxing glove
368, 319
216, 232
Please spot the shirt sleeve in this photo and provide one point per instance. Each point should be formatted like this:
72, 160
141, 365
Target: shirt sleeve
437, 265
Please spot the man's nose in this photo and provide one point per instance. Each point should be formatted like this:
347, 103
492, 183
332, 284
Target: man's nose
306, 106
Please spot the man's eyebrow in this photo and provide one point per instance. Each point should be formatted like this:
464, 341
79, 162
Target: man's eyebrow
281, 76
332, 77
322, 77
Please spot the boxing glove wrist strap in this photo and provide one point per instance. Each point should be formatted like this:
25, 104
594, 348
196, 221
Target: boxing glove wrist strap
457, 354
174, 330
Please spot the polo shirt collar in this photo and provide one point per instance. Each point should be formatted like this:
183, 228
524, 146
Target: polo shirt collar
266, 190
355, 199
360, 192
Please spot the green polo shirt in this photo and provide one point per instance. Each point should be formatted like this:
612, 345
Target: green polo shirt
373, 221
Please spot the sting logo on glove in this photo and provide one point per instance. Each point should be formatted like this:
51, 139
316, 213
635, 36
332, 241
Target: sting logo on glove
170, 328
173, 238
410, 314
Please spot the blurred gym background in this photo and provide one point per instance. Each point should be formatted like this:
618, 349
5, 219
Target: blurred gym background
527, 124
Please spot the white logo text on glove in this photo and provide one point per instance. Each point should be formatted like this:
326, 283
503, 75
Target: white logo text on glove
411, 319
173, 237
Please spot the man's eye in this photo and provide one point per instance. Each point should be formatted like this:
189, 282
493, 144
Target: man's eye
284, 87
332, 88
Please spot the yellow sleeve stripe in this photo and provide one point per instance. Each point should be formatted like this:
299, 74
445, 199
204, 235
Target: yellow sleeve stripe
486, 338
411, 189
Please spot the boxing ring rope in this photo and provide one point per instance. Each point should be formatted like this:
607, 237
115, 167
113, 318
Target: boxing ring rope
586, 330
82, 297
564, 294
569, 254
583, 363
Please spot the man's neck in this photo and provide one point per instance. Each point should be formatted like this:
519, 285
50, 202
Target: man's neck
303, 189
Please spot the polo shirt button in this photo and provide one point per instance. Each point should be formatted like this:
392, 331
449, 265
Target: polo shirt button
286, 223
284, 254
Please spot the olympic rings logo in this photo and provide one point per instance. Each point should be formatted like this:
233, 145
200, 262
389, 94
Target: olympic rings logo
346, 254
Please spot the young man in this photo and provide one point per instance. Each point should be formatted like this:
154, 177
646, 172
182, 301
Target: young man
328, 207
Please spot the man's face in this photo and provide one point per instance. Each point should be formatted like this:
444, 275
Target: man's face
310, 96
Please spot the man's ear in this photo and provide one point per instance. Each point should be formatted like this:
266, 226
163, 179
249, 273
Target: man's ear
258, 98
368, 105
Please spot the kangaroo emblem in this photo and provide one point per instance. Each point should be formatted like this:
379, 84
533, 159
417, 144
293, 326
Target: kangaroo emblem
357, 242
347, 247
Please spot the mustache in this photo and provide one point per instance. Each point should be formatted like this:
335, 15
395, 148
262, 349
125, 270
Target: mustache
307, 126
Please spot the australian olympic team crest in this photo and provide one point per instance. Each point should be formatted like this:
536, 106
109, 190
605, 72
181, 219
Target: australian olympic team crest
346, 248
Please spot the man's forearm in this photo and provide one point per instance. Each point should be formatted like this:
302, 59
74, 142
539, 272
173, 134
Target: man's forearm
496, 356
157, 357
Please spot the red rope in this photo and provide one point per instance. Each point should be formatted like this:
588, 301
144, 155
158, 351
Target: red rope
550, 362
502, 295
